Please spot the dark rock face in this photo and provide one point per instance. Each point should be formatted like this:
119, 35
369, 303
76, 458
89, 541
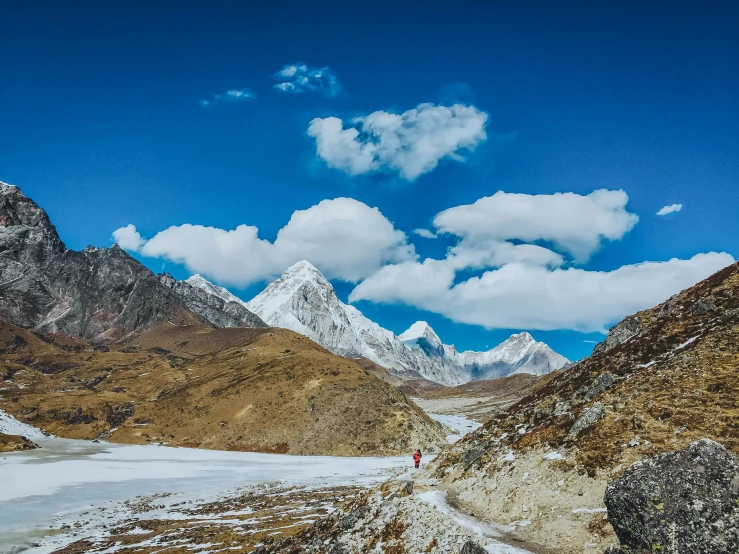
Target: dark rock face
685, 501
216, 310
97, 294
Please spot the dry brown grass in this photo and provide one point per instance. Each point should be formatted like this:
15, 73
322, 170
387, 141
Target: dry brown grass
268, 390
668, 393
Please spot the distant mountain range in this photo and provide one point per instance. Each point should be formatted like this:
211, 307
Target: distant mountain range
304, 301
103, 294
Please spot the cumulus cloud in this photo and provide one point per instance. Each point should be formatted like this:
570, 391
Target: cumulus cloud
524, 285
299, 77
344, 238
128, 238
672, 208
229, 97
410, 143
527, 296
577, 224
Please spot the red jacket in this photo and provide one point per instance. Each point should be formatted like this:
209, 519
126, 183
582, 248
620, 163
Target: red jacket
416, 457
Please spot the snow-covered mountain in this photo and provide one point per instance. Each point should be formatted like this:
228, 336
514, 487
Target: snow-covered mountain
304, 301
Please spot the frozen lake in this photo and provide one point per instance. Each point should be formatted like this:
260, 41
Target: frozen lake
41, 489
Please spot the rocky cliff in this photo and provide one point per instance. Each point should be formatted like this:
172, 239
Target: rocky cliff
98, 294
215, 309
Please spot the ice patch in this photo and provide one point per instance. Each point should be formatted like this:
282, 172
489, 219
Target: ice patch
460, 425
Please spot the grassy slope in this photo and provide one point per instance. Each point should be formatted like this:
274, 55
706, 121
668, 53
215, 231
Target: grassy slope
267, 390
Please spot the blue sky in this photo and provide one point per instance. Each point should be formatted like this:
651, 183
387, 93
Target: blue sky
122, 115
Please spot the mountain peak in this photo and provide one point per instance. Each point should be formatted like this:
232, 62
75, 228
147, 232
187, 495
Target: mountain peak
200, 282
7, 187
417, 330
303, 267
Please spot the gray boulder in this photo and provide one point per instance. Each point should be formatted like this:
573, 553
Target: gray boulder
702, 306
589, 417
471, 547
473, 454
686, 502
620, 333
603, 382
667, 308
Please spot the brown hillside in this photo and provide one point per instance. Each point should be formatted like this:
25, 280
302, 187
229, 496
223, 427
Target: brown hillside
664, 378
15, 443
268, 390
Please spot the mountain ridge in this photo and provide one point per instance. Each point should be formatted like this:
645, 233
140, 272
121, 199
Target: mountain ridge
96, 294
303, 300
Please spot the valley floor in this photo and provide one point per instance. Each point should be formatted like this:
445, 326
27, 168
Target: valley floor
106, 497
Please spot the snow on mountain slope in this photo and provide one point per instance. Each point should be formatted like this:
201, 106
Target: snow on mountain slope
520, 353
421, 335
304, 301
224, 294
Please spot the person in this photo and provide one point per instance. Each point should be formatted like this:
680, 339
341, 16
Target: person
417, 458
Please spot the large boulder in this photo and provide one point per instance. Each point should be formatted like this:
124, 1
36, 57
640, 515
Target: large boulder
684, 502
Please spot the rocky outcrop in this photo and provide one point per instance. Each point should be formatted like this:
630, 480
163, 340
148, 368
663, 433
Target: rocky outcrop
685, 501
619, 334
15, 443
216, 310
589, 417
98, 294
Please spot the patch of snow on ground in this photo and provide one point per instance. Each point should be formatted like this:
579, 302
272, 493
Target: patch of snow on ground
11, 426
438, 500
589, 510
686, 343
554, 456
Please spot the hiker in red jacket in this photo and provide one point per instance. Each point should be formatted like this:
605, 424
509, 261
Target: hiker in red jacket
417, 458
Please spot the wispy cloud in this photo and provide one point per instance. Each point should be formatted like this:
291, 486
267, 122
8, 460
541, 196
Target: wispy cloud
424, 233
410, 143
299, 77
671, 209
229, 97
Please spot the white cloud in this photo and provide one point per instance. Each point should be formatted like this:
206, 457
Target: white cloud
344, 238
299, 77
527, 296
575, 223
229, 97
128, 238
672, 208
424, 233
528, 286
411, 143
